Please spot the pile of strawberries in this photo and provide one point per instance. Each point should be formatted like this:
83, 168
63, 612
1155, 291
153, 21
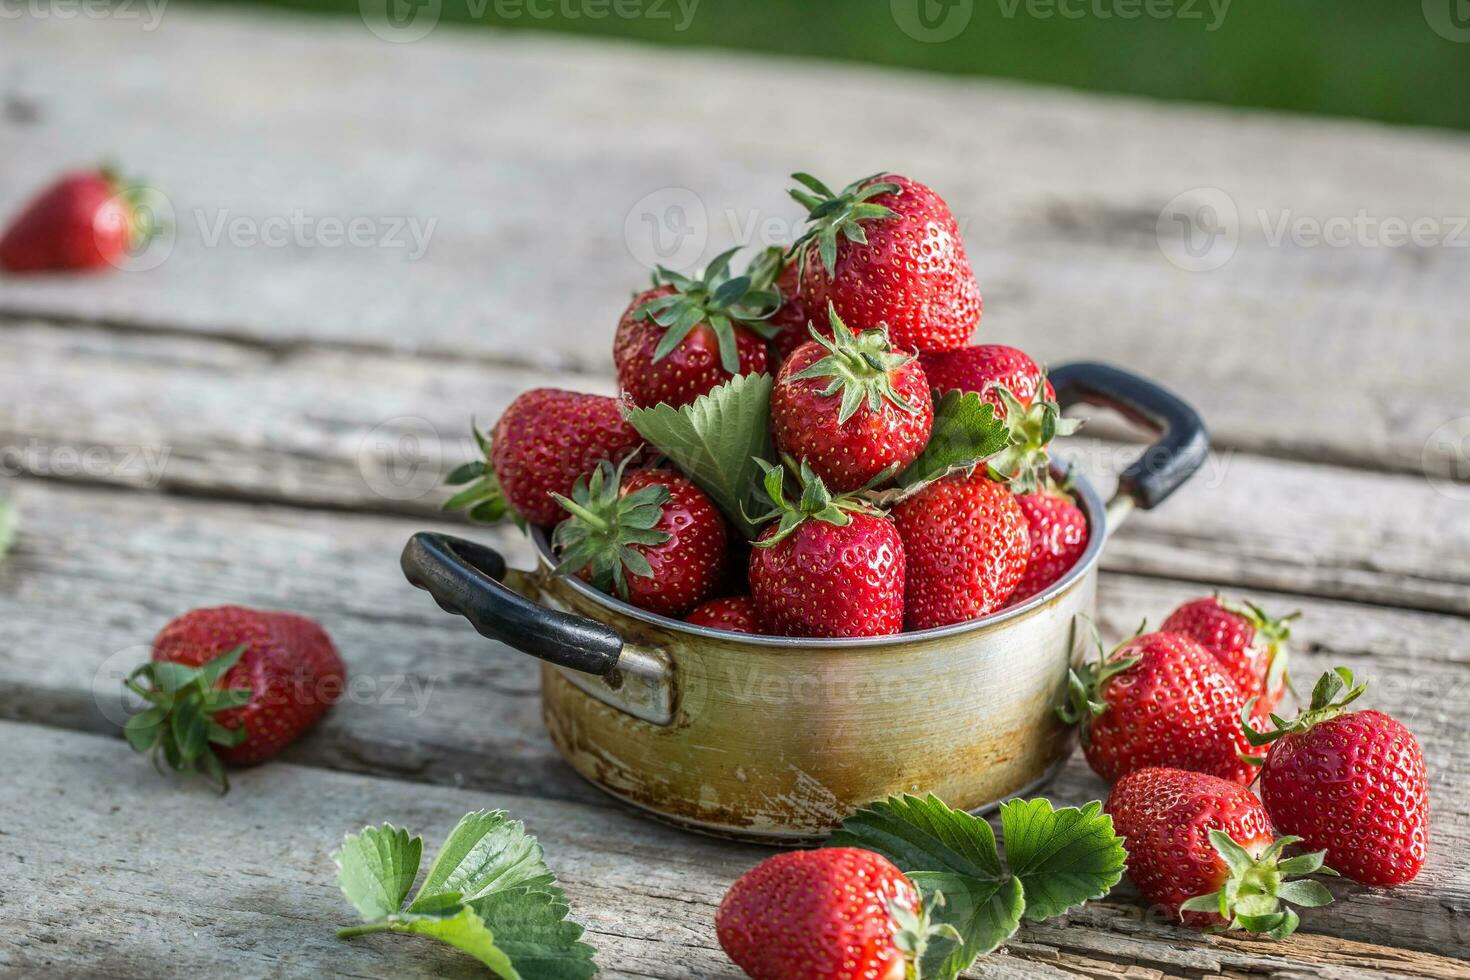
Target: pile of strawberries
865, 326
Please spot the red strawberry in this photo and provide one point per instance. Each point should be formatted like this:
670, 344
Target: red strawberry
546, 439
685, 336
1159, 700
734, 613
233, 686
826, 567
1250, 645
790, 323
838, 913
851, 407
968, 543
1058, 532
1201, 848
887, 251
981, 367
1352, 783
86, 221
652, 537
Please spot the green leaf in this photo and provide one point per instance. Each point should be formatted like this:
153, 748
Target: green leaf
716, 442
534, 930
465, 930
1063, 857
8, 523
985, 913
485, 852
376, 868
924, 835
965, 432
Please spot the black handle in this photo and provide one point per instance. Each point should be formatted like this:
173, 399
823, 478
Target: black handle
464, 578
1183, 442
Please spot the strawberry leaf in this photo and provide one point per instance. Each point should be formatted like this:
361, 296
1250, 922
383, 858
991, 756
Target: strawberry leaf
717, 441
485, 852
376, 868
1063, 857
985, 913
965, 433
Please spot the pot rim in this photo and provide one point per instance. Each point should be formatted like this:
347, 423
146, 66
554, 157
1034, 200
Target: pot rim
1093, 509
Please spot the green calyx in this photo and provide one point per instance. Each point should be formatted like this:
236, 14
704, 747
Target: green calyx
915, 929
1254, 894
832, 214
143, 223
1333, 692
1084, 698
178, 726
814, 503
1272, 633
717, 298
606, 527
1025, 462
860, 367
481, 497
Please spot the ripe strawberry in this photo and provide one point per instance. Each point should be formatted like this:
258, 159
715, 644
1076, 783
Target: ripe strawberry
968, 543
837, 913
1352, 783
851, 407
887, 251
654, 524
685, 336
825, 566
232, 686
546, 439
734, 613
1058, 532
1250, 645
981, 367
1201, 847
1158, 700
86, 221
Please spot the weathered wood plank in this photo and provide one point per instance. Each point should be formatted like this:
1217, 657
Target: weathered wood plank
531, 258
371, 431
96, 573
147, 878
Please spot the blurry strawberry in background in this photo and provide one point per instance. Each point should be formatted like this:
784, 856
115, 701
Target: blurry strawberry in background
86, 221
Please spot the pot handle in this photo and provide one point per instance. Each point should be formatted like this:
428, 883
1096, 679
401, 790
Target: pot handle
1183, 442
465, 579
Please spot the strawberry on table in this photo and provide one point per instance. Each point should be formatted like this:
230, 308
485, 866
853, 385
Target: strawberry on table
233, 686
967, 543
1201, 848
546, 439
1249, 644
85, 221
886, 250
738, 614
651, 537
685, 336
982, 367
826, 566
1350, 782
851, 407
1160, 699
1058, 532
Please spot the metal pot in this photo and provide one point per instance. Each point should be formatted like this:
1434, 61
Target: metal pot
763, 737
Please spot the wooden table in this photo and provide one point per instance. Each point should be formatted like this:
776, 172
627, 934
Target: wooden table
266, 424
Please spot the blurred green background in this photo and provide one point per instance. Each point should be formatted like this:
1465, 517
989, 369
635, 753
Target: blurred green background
1402, 61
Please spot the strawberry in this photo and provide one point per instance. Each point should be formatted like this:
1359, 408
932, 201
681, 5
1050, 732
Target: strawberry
1201, 848
887, 251
790, 323
968, 541
685, 336
825, 566
737, 614
654, 524
1058, 532
851, 407
85, 221
1249, 644
1160, 699
544, 442
1352, 783
837, 913
232, 686
981, 367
